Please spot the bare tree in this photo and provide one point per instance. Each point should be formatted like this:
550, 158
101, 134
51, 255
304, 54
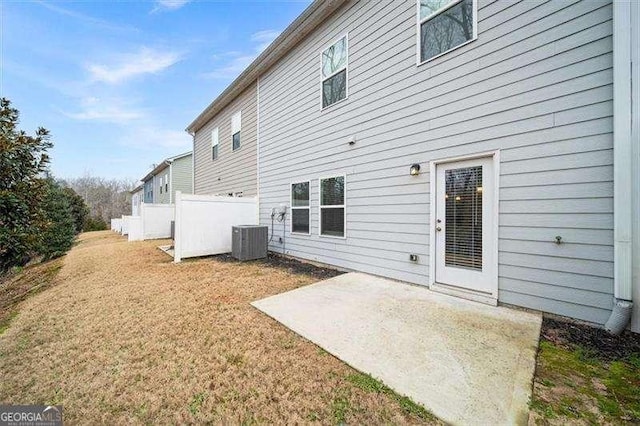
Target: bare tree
106, 198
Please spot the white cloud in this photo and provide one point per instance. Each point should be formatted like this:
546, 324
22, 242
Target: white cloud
231, 69
86, 19
150, 136
169, 5
106, 110
139, 126
130, 65
264, 38
238, 61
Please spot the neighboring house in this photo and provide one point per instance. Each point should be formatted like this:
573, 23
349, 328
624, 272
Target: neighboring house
225, 146
467, 147
137, 197
171, 175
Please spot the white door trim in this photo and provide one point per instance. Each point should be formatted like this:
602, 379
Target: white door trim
493, 297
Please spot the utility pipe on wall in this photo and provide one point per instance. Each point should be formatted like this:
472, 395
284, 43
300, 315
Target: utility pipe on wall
622, 169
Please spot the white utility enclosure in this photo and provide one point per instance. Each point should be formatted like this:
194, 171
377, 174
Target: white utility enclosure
153, 223
203, 223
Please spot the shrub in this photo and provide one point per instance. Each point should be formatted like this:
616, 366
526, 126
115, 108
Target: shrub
23, 161
94, 223
60, 226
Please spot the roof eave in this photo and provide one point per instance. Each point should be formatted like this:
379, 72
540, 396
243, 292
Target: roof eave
310, 18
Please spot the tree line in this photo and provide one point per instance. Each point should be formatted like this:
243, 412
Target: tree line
39, 215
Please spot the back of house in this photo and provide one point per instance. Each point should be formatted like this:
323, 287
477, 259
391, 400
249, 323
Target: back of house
171, 175
225, 147
464, 145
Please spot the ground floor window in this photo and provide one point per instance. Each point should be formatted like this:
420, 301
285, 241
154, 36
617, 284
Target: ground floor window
332, 206
300, 208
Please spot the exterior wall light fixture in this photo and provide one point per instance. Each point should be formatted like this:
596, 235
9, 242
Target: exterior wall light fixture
414, 170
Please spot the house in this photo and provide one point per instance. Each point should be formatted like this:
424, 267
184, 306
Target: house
470, 146
137, 198
171, 175
225, 146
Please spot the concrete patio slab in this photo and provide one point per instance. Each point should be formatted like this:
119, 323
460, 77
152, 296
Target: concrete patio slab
466, 362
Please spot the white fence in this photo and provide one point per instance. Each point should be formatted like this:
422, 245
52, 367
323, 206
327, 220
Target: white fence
124, 229
203, 223
154, 222
116, 225
135, 228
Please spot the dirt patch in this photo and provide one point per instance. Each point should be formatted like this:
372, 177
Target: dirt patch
572, 334
127, 336
585, 376
292, 266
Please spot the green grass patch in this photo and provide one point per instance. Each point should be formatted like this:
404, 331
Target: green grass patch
340, 406
196, 403
371, 385
588, 386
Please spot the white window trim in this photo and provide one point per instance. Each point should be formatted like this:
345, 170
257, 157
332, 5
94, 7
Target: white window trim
215, 131
437, 12
299, 207
346, 76
343, 205
238, 130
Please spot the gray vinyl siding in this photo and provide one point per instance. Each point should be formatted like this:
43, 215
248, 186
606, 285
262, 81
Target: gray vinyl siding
182, 176
158, 196
232, 171
536, 84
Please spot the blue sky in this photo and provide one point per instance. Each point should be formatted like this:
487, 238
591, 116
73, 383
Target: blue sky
117, 82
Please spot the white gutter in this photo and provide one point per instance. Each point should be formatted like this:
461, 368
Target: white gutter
258, 145
622, 168
635, 140
193, 161
171, 182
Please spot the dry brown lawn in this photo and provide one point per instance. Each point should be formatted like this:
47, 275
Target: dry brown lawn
126, 336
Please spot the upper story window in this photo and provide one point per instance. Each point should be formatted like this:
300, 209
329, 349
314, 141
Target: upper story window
445, 25
166, 182
161, 177
300, 216
214, 143
236, 127
335, 61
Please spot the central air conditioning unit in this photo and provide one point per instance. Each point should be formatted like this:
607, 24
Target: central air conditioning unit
249, 242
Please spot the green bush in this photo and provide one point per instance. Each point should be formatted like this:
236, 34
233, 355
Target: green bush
60, 225
94, 223
38, 216
23, 161
79, 210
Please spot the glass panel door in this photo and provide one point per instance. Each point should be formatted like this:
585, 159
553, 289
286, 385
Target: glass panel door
465, 226
463, 215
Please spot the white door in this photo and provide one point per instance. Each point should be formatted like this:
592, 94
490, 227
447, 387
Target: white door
464, 225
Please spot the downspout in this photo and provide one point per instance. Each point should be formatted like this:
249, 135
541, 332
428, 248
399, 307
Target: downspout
622, 169
193, 161
258, 147
171, 182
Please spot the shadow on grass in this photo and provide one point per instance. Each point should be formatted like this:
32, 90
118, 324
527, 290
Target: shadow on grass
23, 283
